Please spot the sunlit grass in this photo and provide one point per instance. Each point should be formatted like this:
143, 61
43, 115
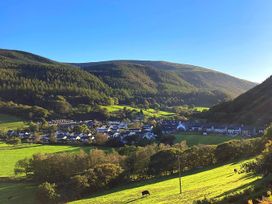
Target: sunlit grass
212, 183
9, 155
8, 122
147, 112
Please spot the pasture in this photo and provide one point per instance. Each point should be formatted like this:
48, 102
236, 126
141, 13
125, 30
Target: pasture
195, 139
8, 122
14, 193
216, 182
201, 108
147, 112
9, 154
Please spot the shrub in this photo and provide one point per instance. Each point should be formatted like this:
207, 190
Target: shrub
80, 183
14, 141
47, 193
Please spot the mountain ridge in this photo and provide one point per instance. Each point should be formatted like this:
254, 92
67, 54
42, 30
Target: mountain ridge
198, 80
30, 79
251, 107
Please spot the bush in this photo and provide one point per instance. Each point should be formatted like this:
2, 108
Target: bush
47, 193
14, 141
80, 183
22, 167
101, 139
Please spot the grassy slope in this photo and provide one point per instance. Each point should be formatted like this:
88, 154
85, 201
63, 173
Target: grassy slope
217, 183
194, 139
201, 108
9, 155
148, 112
14, 193
10, 122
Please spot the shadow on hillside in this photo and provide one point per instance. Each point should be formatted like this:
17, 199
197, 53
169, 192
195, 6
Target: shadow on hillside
134, 200
258, 182
19, 147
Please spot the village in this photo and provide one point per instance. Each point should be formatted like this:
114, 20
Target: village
66, 131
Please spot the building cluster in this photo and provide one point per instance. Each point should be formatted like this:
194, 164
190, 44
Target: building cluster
122, 131
222, 129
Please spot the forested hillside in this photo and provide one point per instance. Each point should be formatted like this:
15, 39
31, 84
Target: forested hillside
53, 87
168, 83
252, 107
35, 87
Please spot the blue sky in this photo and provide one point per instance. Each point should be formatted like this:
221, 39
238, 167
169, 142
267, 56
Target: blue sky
232, 36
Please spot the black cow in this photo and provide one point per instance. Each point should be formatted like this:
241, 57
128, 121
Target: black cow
146, 192
235, 170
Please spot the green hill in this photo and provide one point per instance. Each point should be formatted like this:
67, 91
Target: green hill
252, 107
8, 122
211, 183
168, 83
31, 75
44, 87
216, 182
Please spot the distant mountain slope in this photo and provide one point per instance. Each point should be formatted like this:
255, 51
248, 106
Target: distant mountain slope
33, 80
194, 85
63, 88
252, 107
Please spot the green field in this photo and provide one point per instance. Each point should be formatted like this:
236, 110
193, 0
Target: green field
212, 183
147, 112
195, 139
9, 155
200, 108
8, 122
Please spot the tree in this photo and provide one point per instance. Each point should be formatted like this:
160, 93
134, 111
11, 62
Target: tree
22, 166
101, 138
33, 127
157, 130
37, 137
167, 139
80, 183
138, 160
268, 132
81, 129
14, 141
164, 161
52, 137
106, 174
47, 193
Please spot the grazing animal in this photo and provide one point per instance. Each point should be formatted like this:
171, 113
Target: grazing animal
146, 192
10, 197
235, 170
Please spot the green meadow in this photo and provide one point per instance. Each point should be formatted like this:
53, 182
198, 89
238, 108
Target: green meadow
195, 139
216, 182
9, 154
200, 108
147, 112
8, 122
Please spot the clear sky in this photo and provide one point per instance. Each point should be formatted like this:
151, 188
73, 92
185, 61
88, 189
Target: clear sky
232, 36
